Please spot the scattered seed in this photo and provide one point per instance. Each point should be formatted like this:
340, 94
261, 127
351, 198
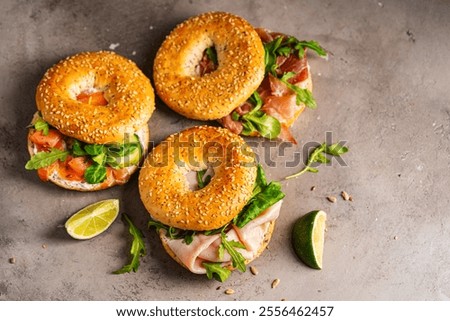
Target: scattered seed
396, 237
44, 246
313, 188
218, 288
254, 270
275, 283
345, 195
229, 291
12, 260
350, 198
332, 199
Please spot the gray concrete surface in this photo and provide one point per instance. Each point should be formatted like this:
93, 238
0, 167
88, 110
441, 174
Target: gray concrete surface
385, 90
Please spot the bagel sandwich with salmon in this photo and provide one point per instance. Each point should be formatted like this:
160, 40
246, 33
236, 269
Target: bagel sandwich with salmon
209, 200
90, 131
217, 66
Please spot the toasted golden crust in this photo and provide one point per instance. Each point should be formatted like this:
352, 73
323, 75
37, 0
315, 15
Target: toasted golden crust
164, 188
128, 91
240, 55
261, 249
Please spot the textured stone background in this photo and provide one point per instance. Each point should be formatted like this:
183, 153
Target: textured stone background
385, 90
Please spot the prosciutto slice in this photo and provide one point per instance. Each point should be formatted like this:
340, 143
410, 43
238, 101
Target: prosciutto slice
204, 248
278, 100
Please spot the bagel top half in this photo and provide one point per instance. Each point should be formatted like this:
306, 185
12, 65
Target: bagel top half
165, 191
127, 91
240, 55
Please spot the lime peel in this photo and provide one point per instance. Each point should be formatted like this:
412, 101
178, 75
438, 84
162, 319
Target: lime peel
308, 238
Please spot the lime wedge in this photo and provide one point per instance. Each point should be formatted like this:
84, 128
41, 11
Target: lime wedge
93, 219
308, 236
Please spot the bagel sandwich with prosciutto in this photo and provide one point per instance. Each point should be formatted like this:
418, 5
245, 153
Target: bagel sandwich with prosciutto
211, 204
283, 94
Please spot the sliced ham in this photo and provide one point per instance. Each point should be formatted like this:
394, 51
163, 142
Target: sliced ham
205, 247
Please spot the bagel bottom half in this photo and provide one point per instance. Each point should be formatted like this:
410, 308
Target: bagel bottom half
265, 241
55, 174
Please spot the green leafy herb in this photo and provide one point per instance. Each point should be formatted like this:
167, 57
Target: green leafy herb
237, 259
266, 125
303, 95
137, 248
41, 125
99, 159
318, 155
216, 271
77, 148
212, 55
269, 195
94, 149
173, 232
257, 120
313, 45
44, 159
282, 46
201, 180
95, 174
261, 180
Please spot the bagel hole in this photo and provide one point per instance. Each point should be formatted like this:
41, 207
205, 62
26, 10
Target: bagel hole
209, 62
193, 177
85, 90
95, 98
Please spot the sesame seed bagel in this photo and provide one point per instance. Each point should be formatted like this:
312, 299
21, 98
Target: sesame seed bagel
240, 56
127, 91
164, 188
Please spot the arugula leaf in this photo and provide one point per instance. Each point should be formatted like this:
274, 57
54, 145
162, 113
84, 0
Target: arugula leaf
336, 149
41, 125
216, 271
303, 95
212, 55
269, 195
318, 156
157, 225
313, 45
94, 149
284, 46
202, 182
189, 237
99, 159
260, 181
44, 159
137, 248
173, 232
267, 126
270, 55
257, 120
237, 259
77, 148
95, 173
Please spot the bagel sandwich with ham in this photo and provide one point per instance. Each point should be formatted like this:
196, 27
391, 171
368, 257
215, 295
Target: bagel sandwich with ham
211, 204
90, 131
